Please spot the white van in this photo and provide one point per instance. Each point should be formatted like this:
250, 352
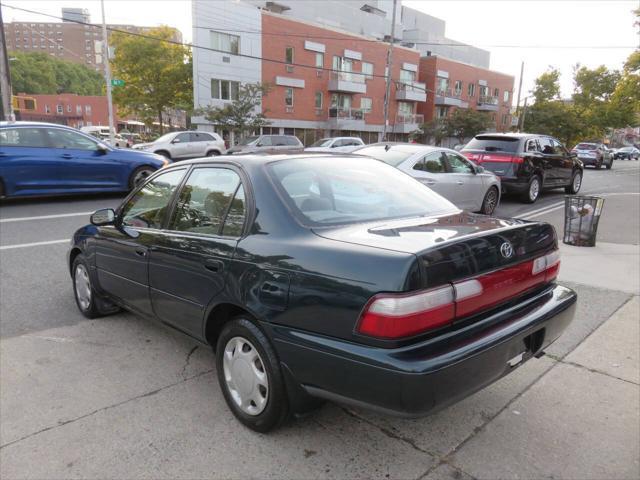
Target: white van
102, 132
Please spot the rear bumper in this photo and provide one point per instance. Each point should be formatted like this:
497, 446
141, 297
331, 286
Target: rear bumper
419, 379
514, 185
589, 160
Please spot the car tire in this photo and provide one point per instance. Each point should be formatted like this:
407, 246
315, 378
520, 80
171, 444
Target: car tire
2, 194
609, 165
490, 201
164, 153
533, 190
213, 153
576, 183
139, 175
598, 165
250, 376
89, 302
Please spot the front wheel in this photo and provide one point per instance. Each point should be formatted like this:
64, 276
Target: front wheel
490, 201
576, 183
139, 175
90, 303
213, 153
533, 190
610, 164
250, 377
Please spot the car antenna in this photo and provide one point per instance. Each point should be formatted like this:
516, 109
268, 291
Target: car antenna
387, 147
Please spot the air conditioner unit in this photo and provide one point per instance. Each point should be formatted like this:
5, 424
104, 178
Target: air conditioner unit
290, 68
289, 109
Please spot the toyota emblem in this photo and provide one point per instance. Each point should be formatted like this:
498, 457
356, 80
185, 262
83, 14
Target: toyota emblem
506, 249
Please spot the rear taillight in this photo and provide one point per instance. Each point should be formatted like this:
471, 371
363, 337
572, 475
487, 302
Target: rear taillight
392, 316
397, 316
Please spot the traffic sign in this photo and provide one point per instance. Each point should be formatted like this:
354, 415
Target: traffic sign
117, 82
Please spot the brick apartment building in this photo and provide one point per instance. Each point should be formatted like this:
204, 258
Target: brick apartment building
66, 40
328, 80
84, 110
457, 85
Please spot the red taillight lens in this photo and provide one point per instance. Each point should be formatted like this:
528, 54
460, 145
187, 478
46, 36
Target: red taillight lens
397, 316
502, 158
392, 316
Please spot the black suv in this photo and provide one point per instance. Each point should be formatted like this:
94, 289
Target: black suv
526, 163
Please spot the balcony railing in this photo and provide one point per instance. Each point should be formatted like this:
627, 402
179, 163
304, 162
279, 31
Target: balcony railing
447, 92
346, 113
411, 91
487, 100
348, 77
409, 118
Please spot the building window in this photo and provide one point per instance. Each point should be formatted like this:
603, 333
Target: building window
472, 89
318, 99
288, 55
87, 109
224, 89
367, 70
69, 108
365, 104
441, 112
407, 76
442, 86
59, 109
496, 92
288, 97
319, 60
505, 96
458, 88
405, 108
225, 42
47, 109
505, 119
78, 109
484, 91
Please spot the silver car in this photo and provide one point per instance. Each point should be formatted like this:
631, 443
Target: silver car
268, 144
181, 145
444, 171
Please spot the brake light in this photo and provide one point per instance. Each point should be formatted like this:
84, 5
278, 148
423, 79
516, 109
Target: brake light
397, 316
392, 316
502, 158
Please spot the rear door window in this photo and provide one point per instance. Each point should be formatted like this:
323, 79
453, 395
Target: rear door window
265, 142
24, 137
457, 164
546, 145
489, 143
292, 141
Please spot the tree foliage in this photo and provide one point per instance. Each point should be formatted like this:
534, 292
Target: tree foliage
157, 74
466, 123
547, 87
240, 115
40, 73
432, 133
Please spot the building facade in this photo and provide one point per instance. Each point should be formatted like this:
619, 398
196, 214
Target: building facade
458, 85
323, 81
66, 40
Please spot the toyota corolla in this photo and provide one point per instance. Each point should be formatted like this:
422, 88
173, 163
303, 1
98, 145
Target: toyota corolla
325, 278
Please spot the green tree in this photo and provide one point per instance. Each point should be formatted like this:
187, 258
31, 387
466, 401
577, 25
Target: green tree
240, 115
547, 87
157, 74
466, 123
433, 131
39, 73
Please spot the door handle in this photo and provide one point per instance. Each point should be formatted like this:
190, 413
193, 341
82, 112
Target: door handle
66, 155
214, 266
141, 252
460, 182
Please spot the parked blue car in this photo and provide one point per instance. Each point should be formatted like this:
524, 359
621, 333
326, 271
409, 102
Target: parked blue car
48, 159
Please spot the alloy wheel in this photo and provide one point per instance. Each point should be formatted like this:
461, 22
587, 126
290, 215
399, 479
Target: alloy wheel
245, 376
83, 286
534, 189
141, 176
490, 201
577, 182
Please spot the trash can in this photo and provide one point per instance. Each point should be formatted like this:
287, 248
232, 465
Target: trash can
581, 217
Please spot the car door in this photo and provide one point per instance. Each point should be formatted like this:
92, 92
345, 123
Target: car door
551, 162
469, 187
85, 164
265, 144
181, 145
122, 250
190, 260
564, 169
199, 144
431, 170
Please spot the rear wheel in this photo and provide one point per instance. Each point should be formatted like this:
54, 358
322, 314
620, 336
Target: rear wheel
165, 154
139, 175
213, 153
576, 183
533, 190
250, 377
1, 189
598, 165
490, 201
610, 164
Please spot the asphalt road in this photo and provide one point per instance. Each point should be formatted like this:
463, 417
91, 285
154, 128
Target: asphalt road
121, 397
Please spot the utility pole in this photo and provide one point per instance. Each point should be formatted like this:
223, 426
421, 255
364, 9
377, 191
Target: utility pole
519, 92
107, 74
6, 107
524, 113
387, 93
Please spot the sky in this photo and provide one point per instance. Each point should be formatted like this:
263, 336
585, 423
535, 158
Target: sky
538, 32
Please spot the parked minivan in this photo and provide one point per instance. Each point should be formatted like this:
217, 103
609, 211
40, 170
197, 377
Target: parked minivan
268, 144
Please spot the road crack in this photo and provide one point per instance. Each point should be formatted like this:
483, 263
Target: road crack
108, 407
183, 373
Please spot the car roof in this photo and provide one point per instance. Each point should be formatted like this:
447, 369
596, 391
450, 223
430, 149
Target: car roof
22, 123
257, 159
404, 147
519, 135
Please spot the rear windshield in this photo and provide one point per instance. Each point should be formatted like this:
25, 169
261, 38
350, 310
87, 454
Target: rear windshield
343, 190
325, 142
248, 140
586, 146
494, 144
392, 155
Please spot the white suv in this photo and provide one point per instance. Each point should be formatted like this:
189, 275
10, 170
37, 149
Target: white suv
336, 144
180, 145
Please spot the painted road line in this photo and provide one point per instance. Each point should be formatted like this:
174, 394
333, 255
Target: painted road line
34, 244
540, 210
43, 217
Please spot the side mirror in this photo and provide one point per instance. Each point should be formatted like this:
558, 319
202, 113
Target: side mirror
105, 216
479, 169
175, 140
258, 144
102, 149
